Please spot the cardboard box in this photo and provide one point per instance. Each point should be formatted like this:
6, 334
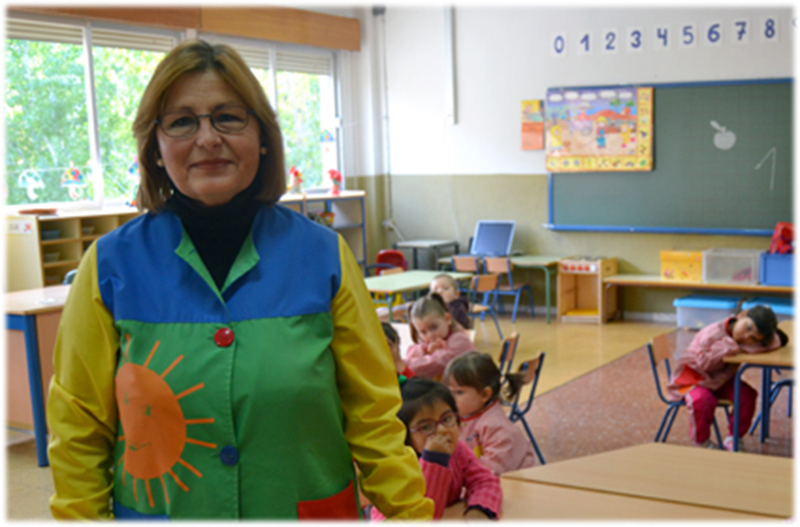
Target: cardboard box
684, 266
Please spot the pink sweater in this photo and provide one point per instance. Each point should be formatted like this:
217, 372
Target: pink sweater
702, 365
448, 477
433, 364
498, 443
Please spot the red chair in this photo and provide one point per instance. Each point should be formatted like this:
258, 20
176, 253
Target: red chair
391, 257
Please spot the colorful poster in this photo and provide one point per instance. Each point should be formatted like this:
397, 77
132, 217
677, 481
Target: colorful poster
599, 129
533, 125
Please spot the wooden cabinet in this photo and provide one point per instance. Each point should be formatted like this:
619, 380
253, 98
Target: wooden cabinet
40, 250
581, 297
349, 218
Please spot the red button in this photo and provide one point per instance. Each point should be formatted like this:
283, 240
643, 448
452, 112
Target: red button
223, 337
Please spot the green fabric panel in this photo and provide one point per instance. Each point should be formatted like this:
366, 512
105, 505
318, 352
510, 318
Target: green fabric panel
271, 391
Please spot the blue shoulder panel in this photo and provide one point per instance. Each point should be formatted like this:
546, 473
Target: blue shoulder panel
298, 272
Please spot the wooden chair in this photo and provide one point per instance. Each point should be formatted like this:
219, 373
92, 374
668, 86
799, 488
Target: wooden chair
466, 264
508, 287
660, 352
531, 370
507, 353
486, 285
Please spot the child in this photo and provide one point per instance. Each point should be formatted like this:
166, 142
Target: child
438, 338
393, 339
702, 378
447, 287
499, 444
449, 466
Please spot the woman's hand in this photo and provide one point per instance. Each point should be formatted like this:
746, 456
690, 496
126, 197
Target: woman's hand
442, 443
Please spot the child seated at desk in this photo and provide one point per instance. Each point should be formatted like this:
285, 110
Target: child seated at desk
447, 287
437, 337
393, 339
449, 466
701, 377
500, 445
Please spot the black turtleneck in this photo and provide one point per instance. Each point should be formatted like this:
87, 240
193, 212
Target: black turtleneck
217, 232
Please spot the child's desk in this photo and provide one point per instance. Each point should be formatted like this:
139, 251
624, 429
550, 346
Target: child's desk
405, 282
526, 500
742, 483
780, 358
35, 312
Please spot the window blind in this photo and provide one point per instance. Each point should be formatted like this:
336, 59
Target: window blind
26, 29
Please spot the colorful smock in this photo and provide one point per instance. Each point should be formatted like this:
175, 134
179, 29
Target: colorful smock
173, 398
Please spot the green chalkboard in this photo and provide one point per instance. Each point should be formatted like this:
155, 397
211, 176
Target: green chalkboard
697, 185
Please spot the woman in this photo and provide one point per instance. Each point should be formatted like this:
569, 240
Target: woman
219, 356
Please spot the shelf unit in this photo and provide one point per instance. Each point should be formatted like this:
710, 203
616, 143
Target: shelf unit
33, 261
349, 218
581, 297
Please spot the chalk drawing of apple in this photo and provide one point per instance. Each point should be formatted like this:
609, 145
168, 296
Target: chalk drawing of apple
724, 139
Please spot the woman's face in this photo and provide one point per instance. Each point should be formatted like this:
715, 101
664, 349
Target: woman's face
209, 166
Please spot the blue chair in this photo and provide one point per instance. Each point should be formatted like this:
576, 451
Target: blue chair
531, 370
70, 276
660, 351
508, 287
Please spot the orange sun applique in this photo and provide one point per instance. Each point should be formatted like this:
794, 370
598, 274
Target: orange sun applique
153, 423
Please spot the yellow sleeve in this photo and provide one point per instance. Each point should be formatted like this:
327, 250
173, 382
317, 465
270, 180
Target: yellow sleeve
81, 408
390, 473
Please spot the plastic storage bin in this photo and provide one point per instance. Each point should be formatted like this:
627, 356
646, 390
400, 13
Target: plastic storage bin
783, 307
697, 311
776, 269
737, 266
684, 266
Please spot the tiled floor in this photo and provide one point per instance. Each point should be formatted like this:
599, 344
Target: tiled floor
596, 394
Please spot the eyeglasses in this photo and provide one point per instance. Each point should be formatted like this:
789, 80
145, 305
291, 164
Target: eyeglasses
225, 119
428, 427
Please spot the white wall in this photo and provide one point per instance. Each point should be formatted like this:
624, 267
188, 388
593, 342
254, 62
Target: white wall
504, 55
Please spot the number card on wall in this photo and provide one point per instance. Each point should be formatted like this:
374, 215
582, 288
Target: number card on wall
599, 129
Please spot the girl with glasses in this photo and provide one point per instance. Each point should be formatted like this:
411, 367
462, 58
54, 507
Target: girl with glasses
450, 467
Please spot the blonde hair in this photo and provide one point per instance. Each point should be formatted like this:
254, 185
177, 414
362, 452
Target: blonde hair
196, 56
431, 304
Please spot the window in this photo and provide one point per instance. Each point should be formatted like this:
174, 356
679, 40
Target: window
69, 113
64, 141
302, 91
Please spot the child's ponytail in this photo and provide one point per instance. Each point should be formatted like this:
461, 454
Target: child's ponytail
510, 390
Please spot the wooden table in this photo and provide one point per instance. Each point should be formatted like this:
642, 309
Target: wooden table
641, 280
22, 310
526, 500
661, 472
780, 358
405, 282
433, 245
